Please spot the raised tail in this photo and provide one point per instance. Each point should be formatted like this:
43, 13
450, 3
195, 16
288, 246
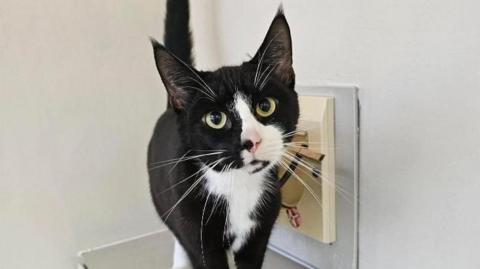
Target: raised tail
177, 38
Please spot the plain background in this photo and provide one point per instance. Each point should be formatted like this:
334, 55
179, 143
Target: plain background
79, 95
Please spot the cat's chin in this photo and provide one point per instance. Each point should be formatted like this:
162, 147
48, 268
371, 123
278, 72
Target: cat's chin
256, 166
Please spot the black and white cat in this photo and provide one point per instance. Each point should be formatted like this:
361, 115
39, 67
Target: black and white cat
214, 151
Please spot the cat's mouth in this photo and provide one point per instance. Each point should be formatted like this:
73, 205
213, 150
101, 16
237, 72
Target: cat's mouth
257, 166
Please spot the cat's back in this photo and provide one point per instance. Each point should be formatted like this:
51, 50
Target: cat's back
165, 139
164, 147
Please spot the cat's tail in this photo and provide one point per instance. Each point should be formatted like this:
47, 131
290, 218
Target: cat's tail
177, 38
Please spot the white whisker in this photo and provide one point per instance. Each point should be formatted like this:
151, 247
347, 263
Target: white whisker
188, 191
203, 169
310, 190
345, 194
201, 230
181, 159
267, 77
260, 61
196, 75
175, 165
209, 96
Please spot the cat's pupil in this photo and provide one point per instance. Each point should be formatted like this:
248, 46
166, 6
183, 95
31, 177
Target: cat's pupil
216, 117
264, 105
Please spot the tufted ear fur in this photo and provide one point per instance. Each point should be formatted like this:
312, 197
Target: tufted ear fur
176, 76
275, 53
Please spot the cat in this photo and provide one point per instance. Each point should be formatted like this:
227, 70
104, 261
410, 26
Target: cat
213, 155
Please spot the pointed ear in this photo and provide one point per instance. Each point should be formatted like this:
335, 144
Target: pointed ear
175, 75
275, 53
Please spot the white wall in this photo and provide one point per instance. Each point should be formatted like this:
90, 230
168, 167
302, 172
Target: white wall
79, 95
417, 63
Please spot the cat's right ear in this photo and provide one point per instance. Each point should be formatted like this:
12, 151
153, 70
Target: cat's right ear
275, 53
175, 75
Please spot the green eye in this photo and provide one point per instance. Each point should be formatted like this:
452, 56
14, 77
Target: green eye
266, 107
215, 119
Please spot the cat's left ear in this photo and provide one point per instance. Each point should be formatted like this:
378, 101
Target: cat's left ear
175, 75
275, 53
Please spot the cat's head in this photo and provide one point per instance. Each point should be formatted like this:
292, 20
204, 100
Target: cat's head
237, 116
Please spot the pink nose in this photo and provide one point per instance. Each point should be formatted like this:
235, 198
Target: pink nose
252, 143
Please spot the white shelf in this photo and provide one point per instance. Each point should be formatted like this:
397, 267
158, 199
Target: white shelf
153, 251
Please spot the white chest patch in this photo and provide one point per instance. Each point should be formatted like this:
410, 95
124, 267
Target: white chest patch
243, 192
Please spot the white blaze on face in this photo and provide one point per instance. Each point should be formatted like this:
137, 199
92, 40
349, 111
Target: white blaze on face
269, 138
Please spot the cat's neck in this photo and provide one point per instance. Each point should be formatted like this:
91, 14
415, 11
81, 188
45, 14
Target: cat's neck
243, 193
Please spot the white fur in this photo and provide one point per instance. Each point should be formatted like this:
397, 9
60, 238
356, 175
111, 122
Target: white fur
242, 192
181, 260
180, 257
231, 260
241, 188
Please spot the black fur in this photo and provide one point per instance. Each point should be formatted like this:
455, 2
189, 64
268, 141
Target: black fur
181, 130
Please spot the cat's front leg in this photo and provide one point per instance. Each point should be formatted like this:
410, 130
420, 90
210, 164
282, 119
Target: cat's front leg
252, 254
180, 258
210, 259
211, 255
